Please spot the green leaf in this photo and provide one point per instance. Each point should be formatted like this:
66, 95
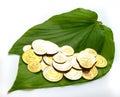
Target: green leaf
78, 28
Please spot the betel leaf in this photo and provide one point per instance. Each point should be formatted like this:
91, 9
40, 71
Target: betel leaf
78, 28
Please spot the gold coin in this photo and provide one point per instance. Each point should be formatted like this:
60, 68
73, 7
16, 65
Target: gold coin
90, 74
67, 50
85, 59
101, 61
62, 67
74, 62
48, 59
26, 47
29, 56
43, 65
91, 51
73, 74
59, 58
52, 75
34, 67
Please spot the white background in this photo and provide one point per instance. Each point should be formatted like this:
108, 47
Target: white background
17, 16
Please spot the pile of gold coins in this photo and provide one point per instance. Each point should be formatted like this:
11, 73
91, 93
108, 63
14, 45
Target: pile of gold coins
56, 62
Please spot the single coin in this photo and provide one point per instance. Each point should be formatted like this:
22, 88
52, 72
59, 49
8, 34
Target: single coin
73, 74
51, 48
74, 62
67, 50
48, 59
26, 47
52, 75
101, 61
34, 67
85, 59
43, 65
29, 56
37, 43
39, 46
62, 67
40, 50
59, 58
91, 51
90, 74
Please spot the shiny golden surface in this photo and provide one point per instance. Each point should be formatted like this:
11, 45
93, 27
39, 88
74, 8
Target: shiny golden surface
62, 67
91, 51
101, 61
29, 56
34, 67
48, 59
86, 60
74, 62
60, 58
52, 75
73, 74
56, 62
67, 50
90, 74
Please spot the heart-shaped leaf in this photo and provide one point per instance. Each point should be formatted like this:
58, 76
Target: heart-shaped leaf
78, 28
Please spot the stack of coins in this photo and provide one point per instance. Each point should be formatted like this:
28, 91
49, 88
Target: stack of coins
56, 62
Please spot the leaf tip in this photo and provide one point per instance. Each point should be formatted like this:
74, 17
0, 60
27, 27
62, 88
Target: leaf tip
11, 90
